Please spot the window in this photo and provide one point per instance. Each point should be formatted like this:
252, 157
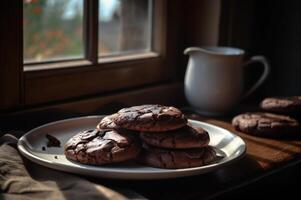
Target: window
52, 30
60, 50
124, 27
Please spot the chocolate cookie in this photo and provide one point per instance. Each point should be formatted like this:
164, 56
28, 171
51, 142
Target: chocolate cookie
108, 123
101, 146
175, 159
265, 124
183, 138
282, 104
150, 118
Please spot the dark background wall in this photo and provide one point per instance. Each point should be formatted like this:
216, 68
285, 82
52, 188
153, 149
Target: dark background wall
271, 28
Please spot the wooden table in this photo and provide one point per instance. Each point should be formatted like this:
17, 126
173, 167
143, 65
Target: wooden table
270, 167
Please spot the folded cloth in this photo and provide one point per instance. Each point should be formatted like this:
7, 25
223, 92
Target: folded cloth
25, 180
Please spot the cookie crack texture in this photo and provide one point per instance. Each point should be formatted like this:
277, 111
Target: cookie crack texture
81, 138
172, 159
282, 104
101, 146
150, 118
183, 138
173, 141
264, 123
161, 160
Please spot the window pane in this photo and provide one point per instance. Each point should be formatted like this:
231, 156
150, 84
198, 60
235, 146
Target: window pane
53, 29
124, 26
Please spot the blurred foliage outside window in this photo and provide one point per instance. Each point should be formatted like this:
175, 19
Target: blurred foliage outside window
124, 27
53, 29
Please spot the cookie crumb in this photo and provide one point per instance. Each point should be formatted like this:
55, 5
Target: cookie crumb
43, 148
52, 141
55, 157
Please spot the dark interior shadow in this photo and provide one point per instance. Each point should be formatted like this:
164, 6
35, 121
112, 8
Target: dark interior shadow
201, 185
269, 162
30, 120
109, 108
295, 136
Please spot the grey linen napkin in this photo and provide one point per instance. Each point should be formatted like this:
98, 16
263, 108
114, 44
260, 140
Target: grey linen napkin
21, 179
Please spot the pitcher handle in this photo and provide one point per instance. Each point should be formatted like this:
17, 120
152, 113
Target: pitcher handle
265, 73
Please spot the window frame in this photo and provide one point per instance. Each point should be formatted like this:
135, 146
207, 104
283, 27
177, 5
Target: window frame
11, 49
57, 81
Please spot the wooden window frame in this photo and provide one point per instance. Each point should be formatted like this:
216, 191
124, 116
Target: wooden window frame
57, 81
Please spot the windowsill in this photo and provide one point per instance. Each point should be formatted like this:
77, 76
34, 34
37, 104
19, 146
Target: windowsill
164, 93
86, 63
129, 57
57, 65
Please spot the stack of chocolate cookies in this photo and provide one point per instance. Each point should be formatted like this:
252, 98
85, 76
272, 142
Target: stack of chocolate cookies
278, 118
156, 135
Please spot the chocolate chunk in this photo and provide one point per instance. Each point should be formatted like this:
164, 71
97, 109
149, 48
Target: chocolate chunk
52, 141
108, 123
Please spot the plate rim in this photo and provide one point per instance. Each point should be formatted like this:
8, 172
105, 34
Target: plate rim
173, 173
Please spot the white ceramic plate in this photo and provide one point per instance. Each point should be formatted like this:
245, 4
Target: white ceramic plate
230, 146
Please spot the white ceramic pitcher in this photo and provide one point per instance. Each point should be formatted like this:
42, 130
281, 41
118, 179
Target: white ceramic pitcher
214, 78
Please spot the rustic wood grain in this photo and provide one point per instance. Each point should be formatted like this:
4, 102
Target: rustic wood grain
267, 152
